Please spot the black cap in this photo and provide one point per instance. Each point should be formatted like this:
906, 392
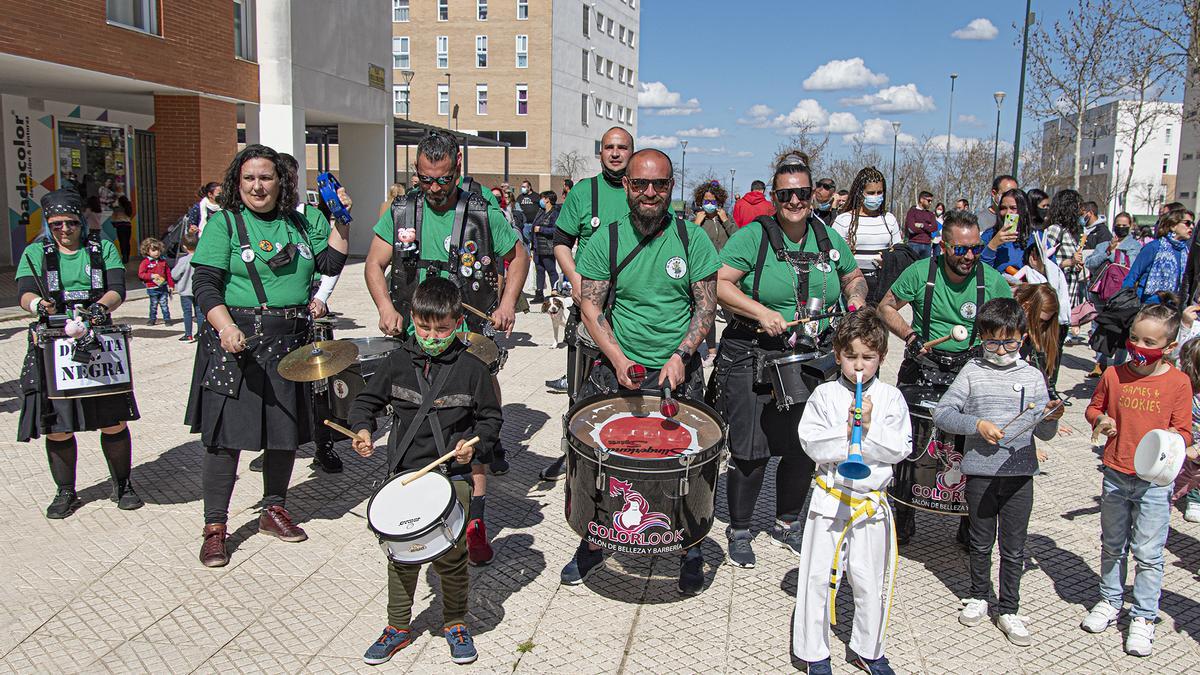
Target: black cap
62, 203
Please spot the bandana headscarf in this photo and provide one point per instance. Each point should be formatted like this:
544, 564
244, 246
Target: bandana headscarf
62, 203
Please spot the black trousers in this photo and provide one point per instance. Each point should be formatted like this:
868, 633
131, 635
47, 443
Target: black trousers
744, 481
1003, 503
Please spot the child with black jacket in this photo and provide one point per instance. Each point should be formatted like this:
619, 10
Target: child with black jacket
434, 363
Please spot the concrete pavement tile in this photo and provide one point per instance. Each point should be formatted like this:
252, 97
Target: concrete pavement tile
230, 660
138, 656
200, 623
66, 654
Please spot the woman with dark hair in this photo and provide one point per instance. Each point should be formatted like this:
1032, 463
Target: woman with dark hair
771, 270
868, 228
542, 231
1160, 265
1039, 208
122, 222
201, 211
254, 266
1064, 236
708, 203
1006, 244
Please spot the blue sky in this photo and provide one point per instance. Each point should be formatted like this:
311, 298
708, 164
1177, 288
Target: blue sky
707, 64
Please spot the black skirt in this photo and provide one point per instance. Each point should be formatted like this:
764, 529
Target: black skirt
757, 429
41, 415
239, 401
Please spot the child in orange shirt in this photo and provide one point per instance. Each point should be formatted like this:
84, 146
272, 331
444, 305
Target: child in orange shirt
1142, 394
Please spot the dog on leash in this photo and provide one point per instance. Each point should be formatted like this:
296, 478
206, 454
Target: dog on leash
557, 309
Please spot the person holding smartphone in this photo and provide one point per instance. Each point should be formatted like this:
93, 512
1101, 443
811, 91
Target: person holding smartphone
1009, 237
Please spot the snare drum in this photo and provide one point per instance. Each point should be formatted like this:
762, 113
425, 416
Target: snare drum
107, 371
638, 482
930, 479
486, 350
794, 377
418, 522
347, 384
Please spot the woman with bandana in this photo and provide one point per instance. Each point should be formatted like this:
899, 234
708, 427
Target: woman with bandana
54, 277
253, 270
1161, 263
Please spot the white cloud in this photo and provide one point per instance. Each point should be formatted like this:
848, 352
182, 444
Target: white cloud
807, 114
657, 99
660, 142
962, 143
970, 121
876, 131
760, 110
701, 132
842, 123
844, 74
978, 29
903, 98
743, 153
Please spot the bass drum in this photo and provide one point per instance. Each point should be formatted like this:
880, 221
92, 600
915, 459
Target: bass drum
638, 482
930, 479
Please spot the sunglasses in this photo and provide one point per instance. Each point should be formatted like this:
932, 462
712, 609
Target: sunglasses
962, 250
1188, 222
709, 201
825, 186
785, 195
64, 224
440, 180
640, 184
995, 345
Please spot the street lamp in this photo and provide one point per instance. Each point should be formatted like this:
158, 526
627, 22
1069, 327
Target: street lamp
732, 191
895, 141
1021, 90
1117, 203
683, 175
408, 78
949, 131
999, 96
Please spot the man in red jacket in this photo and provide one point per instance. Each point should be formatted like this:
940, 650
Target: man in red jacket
752, 205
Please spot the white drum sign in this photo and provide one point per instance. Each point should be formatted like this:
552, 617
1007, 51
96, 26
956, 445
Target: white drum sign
107, 372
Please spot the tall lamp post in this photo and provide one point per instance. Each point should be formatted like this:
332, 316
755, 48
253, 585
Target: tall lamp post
895, 142
1021, 91
999, 96
683, 176
1117, 201
408, 78
732, 191
949, 131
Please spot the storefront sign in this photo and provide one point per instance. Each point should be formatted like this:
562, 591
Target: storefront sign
375, 76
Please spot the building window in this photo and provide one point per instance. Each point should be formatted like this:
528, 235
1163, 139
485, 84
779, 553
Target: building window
481, 99
621, 74
515, 139
443, 51
631, 38
608, 26
587, 21
400, 11
631, 77
609, 69
481, 51
522, 51
1168, 134
443, 99
522, 10
137, 14
400, 59
599, 65
400, 99
522, 99
1166, 163
608, 110
481, 10
621, 33
599, 22
244, 41
443, 10
583, 109
599, 108
585, 65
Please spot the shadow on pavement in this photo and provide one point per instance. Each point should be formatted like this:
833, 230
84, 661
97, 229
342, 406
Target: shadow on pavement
1074, 580
934, 546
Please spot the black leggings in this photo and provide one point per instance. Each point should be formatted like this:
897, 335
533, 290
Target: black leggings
219, 471
744, 481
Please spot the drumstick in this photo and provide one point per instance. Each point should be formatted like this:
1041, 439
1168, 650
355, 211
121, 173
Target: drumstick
958, 334
440, 460
476, 312
341, 429
790, 324
1018, 416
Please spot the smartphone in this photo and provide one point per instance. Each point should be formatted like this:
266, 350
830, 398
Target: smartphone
1010, 221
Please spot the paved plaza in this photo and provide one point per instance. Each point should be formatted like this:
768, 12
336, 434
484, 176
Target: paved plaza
113, 591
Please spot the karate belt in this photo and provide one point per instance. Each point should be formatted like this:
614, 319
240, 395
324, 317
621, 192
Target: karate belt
862, 507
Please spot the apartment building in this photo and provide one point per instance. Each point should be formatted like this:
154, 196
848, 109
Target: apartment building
546, 76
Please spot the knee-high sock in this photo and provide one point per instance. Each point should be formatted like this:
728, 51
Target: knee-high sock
62, 456
118, 452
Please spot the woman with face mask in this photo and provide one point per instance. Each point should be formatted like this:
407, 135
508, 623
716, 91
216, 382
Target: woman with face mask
708, 203
1161, 263
542, 231
867, 226
1039, 208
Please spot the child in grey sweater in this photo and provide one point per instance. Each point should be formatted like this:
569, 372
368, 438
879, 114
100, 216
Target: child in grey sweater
1000, 403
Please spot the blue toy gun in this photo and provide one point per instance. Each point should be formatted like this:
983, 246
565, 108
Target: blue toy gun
328, 186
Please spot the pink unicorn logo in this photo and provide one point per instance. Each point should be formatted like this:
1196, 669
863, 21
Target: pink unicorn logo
950, 478
635, 517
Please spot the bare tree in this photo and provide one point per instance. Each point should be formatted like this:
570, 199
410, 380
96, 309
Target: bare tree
1176, 24
1073, 67
1150, 192
569, 164
804, 138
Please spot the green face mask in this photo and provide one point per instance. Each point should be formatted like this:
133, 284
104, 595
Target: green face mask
435, 345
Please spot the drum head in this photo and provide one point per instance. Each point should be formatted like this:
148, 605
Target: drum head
374, 347
401, 512
632, 426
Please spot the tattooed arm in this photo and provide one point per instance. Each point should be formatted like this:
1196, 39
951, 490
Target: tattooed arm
854, 289
705, 294
889, 310
593, 294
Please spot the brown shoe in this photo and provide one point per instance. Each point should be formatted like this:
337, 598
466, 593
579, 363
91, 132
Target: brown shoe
212, 551
276, 521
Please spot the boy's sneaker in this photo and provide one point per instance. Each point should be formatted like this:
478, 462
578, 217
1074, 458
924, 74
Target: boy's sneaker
1014, 629
1100, 618
788, 536
822, 667
1192, 512
462, 647
1140, 641
973, 612
390, 641
64, 504
479, 551
691, 572
583, 564
879, 666
152, 322
185, 338
740, 552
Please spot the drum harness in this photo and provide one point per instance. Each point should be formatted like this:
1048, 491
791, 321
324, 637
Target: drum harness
948, 363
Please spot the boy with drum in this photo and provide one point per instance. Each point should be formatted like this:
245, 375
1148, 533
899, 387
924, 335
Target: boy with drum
66, 271
440, 397
849, 524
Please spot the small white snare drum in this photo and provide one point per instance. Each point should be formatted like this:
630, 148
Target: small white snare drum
418, 522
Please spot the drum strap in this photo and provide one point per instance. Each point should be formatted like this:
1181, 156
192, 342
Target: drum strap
406, 210
52, 278
429, 394
862, 507
616, 270
773, 237
260, 292
931, 281
596, 201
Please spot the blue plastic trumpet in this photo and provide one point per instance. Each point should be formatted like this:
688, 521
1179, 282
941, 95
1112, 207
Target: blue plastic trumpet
327, 187
854, 468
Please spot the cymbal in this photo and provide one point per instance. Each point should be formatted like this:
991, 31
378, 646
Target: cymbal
482, 347
317, 360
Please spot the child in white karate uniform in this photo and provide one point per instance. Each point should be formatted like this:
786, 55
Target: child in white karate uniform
849, 527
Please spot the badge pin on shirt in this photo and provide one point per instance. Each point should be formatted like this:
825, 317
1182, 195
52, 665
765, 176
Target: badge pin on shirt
305, 252
247, 255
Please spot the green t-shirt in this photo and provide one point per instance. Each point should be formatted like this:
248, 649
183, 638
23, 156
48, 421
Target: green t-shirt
652, 309
777, 290
287, 286
952, 304
575, 217
74, 269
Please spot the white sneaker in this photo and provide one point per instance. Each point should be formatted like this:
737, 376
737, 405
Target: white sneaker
1140, 641
1100, 618
973, 612
1192, 512
1014, 629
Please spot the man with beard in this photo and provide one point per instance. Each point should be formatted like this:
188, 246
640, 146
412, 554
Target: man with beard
944, 291
592, 202
650, 305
